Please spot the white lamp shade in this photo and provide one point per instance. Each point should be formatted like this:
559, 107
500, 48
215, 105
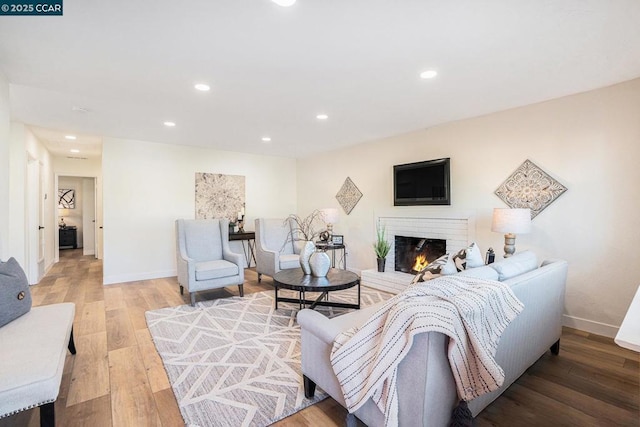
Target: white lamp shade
516, 221
330, 215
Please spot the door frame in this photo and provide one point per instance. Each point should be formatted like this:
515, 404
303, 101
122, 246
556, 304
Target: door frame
97, 214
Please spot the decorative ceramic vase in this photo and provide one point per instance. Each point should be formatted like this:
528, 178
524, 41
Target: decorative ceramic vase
320, 264
381, 263
308, 248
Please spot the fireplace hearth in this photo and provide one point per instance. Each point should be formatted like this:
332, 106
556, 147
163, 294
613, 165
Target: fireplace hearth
412, 254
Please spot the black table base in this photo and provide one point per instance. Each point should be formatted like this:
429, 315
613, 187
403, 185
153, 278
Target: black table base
303, 302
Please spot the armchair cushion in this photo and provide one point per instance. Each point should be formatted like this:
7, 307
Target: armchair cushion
202, 240
275, 234
216, 269
289, 261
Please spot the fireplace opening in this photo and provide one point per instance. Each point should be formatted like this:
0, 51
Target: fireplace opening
415, 253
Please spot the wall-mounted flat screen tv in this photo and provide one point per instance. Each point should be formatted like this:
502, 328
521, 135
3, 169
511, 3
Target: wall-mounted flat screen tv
422, 183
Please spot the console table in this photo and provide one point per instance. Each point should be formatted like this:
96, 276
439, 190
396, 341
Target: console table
250, 248
68, 237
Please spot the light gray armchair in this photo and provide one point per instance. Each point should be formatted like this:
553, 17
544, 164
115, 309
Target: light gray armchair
272, 254
204, 258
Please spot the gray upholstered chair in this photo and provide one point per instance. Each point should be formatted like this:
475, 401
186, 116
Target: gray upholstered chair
204, 258
272, 253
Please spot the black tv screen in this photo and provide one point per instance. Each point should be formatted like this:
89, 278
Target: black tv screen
422, 183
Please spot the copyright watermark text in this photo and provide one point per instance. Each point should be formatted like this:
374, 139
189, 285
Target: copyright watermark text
38, 7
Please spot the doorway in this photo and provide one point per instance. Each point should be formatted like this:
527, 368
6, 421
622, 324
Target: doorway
76, 212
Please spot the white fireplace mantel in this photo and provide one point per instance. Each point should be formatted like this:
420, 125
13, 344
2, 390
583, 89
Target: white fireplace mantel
456, 227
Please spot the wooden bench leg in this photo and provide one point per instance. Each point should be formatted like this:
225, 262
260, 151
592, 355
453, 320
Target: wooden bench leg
309, 387
47, 415
72, 345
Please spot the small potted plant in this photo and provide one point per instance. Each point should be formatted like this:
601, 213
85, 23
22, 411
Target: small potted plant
381, 247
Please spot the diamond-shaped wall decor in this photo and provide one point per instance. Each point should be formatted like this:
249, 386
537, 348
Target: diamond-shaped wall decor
530, 187
348, 196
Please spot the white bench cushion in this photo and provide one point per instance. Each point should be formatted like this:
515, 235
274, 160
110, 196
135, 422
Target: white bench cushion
32, 352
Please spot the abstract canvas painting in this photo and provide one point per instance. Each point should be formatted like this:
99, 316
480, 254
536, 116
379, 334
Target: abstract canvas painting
66, 199
219, 196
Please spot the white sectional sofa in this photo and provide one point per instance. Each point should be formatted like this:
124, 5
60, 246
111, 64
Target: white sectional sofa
426, 387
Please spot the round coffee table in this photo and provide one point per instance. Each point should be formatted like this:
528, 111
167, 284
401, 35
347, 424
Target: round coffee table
296, 280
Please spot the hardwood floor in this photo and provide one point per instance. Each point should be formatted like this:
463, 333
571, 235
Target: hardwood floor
117, 378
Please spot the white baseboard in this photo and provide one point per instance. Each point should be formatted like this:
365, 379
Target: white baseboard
123, 278
590, 326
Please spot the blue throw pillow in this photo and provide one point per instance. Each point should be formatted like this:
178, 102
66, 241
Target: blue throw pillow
15, 297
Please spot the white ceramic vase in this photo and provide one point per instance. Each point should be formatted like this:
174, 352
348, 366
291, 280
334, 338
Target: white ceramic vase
308, 248
320, 264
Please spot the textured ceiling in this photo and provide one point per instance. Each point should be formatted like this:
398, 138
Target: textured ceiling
132, 65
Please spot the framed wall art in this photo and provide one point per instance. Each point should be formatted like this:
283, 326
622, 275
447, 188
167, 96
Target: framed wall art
219, 196
66, 198
530, 187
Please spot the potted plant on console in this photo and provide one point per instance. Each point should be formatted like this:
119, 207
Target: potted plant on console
381, 247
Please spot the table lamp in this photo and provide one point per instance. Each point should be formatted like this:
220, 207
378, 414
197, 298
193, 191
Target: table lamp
511, 222
330, 216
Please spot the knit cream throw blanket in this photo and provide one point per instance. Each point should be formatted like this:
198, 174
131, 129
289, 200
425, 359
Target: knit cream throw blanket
472, 312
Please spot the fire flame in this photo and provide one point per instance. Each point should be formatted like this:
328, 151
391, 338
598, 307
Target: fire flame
421, 262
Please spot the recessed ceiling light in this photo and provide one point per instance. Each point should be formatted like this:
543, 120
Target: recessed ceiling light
74, 150
71, 137
169, 124
266, 139
202, 87
429, 74
284, 3
322, 117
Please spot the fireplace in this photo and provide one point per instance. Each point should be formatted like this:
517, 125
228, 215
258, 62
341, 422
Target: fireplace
412, 254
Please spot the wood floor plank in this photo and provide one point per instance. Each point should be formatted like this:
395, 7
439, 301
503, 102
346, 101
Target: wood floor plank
170, 413
120, 332
92, 319
156, 374
113, 297
587, 404
136, 307
94, 413
90, 375
132, 402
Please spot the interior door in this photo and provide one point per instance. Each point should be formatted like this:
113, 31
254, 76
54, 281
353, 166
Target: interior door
88, 217
35, 222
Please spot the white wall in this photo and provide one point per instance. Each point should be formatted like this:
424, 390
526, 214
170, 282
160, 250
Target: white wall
24, 144
590, 142
5, 138
147, 186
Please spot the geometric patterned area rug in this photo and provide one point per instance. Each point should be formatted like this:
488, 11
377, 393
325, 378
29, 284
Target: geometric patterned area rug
236, 361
